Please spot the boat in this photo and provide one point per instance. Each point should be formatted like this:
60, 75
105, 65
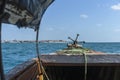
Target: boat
73, 62
76, 49
70, 63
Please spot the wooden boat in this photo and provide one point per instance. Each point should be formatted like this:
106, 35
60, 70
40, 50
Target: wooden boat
74, 62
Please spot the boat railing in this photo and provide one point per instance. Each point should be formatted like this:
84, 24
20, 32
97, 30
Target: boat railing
25, 71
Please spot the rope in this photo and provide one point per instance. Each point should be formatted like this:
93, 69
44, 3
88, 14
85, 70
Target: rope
40, 67
85, 57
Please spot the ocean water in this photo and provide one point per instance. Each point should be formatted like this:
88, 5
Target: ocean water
16, 53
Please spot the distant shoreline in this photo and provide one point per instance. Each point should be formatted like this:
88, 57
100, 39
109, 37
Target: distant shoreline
46, 41
31, 41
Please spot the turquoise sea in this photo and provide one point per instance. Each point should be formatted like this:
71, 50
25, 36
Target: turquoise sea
16, 53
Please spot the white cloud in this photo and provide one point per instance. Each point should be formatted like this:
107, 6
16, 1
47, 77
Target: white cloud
98, 25
116, 7
50, 29
84, 16
117, 30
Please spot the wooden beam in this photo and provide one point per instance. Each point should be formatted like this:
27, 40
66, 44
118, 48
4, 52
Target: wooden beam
78, 60
20, 72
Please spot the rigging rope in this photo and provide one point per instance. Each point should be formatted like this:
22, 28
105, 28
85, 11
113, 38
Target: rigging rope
40, 66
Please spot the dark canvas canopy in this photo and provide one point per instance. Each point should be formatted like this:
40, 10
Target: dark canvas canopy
25, 13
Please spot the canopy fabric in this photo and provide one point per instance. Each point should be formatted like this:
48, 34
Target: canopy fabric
25, 13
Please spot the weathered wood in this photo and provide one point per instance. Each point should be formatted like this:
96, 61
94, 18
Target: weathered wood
78, 60
57, 65
77, 72
28, 74
25, 71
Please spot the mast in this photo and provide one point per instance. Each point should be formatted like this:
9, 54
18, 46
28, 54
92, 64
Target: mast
2, 6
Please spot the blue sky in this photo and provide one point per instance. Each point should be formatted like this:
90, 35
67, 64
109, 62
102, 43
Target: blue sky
94, 20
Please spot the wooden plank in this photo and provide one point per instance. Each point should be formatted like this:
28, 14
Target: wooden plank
19, 69
28, 74
64, 60
79, 60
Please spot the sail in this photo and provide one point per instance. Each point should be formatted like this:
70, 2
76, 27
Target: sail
25, 13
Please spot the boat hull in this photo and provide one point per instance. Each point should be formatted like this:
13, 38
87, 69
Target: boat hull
70, 67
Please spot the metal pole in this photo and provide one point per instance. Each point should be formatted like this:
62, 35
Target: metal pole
2, 6
1, 64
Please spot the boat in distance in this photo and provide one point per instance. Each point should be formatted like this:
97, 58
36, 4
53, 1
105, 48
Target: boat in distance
73, 62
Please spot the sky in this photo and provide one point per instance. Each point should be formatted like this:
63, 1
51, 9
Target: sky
94, 20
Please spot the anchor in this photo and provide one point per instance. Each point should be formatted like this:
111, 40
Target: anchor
75, 43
